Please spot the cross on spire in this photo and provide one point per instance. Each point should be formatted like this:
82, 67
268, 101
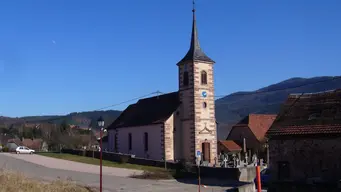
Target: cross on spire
195, 53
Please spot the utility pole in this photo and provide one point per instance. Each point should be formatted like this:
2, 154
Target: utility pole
267, 153
165, 156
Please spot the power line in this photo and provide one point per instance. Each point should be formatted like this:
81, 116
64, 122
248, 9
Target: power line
274, 90
123, 102
130, 100
236, 94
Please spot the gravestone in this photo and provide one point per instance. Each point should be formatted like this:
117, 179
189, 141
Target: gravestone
225, 162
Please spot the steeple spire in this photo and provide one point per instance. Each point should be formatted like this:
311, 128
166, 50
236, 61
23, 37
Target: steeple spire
195, 52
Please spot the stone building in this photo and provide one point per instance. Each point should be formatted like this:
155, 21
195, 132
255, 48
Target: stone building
250, 131
173, 126
305, 138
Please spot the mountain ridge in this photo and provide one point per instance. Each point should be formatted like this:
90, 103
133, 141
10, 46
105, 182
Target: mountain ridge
229, 109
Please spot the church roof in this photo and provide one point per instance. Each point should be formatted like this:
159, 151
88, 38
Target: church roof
195, 53
153, 110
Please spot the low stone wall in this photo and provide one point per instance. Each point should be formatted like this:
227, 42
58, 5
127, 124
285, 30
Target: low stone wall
246, 174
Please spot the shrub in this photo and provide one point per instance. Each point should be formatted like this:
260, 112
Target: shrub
5, 149
155, 175
184, 170
124, 159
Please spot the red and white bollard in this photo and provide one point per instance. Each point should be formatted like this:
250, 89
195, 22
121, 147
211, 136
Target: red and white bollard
258, 179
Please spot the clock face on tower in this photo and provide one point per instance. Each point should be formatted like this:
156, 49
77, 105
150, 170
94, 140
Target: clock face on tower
204, 94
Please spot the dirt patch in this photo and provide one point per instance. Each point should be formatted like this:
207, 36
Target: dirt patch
159, 175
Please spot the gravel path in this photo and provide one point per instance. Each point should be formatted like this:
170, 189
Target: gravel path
45, 168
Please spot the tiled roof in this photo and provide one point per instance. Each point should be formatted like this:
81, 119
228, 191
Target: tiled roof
230, 145
259, 124
148, 111
306, 114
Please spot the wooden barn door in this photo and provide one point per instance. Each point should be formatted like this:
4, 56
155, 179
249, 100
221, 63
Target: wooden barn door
206, 151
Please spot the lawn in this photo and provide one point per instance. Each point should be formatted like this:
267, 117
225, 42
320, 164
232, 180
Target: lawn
94, 161
149, 171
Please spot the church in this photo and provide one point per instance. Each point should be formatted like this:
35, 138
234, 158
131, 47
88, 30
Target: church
173, 126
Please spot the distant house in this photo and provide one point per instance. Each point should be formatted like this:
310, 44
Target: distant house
12, 144
36, 144
253, 129
305, 139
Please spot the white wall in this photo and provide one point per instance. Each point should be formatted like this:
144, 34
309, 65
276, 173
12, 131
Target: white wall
155, 150
111, 140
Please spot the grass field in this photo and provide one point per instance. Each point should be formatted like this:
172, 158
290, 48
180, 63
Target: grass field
15, 182
149, 171
94, 161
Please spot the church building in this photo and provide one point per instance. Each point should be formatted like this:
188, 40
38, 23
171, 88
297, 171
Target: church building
174, 126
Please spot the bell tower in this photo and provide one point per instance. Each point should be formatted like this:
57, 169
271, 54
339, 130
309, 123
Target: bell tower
196, 92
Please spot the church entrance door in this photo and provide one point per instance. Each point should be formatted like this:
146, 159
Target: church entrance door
206, 151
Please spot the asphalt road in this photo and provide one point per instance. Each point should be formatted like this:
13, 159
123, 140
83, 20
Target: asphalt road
37, 167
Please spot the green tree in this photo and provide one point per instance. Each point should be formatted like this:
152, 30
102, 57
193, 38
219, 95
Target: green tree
37, 133
12, 131
64, 127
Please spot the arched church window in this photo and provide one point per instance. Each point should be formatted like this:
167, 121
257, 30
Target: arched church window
203, 77
185, 80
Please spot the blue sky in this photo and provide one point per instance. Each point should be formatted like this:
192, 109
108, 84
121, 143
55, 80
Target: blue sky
62, 56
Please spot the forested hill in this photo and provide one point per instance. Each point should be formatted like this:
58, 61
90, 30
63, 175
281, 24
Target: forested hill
81, 119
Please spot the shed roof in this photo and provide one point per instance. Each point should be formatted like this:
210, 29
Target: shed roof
307, 114
230, 145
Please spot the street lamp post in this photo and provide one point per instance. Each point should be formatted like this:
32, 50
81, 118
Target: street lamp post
90, 137
100, 122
